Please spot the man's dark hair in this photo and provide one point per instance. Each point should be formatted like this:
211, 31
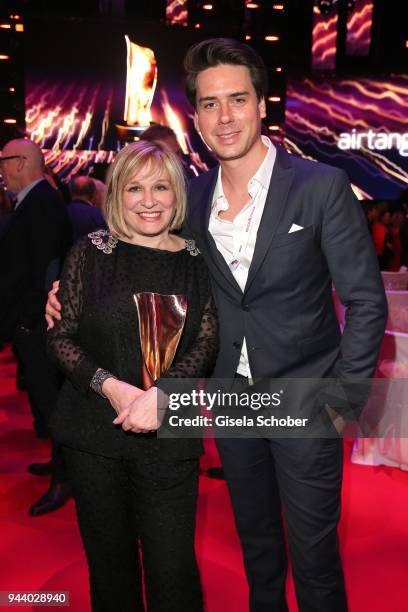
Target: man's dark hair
216, 51
157, 132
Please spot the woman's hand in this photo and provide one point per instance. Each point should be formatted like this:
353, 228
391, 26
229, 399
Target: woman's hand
53, 307
143, 415
120, 394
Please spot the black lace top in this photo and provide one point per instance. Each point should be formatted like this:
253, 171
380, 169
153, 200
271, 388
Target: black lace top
99, 329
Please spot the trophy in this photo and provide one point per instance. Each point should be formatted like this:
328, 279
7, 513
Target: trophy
141, 79
161, 323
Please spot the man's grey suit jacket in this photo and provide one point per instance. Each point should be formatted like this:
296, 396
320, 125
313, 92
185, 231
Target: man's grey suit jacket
286, 312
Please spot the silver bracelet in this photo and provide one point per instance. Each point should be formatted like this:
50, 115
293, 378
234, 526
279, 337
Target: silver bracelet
98, 379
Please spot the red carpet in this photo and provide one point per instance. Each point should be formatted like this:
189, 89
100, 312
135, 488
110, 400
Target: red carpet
45, 553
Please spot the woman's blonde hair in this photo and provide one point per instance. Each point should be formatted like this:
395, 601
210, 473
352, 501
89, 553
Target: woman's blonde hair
130, 161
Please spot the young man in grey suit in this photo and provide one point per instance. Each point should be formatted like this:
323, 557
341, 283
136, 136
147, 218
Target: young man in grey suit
276, 231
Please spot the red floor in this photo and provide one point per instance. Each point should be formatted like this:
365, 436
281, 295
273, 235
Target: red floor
45, 553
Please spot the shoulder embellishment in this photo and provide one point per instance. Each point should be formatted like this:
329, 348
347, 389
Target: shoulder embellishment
104, 241
192, 248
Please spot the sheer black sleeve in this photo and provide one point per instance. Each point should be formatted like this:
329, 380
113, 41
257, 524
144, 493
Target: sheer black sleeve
63, 345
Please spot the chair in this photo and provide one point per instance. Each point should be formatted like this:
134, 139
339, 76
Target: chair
395, 280
387, 408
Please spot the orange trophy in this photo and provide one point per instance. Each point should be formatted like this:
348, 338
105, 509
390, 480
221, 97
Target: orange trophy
161, 323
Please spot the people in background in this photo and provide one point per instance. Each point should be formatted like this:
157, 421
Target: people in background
371, 212
403, 202
382, 238
397, 218
404, 243
56, 182
6, 207
162, 133
84, 216
32, 248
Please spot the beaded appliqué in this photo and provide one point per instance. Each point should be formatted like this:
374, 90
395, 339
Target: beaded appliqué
104, 241
192, 248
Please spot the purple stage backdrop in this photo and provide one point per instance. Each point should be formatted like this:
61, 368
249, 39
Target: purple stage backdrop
75, 94
76, 89
358, 124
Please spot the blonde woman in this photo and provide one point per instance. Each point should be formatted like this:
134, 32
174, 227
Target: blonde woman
129, 486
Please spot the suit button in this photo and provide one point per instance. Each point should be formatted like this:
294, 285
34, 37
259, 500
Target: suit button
245, 307
236, 345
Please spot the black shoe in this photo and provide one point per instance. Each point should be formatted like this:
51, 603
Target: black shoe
216, 472
40, 469
56, 496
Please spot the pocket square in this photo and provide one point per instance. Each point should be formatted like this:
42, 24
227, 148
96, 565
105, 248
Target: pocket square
295, 228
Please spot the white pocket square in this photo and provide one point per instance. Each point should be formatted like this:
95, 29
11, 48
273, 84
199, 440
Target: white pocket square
295, 228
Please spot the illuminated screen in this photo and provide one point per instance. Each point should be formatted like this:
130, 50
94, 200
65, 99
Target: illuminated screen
324, 34
358, 124
76, 84
359, 26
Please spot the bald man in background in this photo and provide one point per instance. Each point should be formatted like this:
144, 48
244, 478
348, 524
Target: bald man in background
32, 247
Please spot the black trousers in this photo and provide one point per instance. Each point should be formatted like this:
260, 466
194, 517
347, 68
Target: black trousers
43, 385
301, 478
123, 503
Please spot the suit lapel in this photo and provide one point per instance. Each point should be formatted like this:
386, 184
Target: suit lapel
216, 258
281, 180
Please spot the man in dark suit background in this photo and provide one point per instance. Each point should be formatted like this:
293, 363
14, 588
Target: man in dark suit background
32, 247
83, 214
276, 231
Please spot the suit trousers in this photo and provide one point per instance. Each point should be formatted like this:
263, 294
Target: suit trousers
301, 480
123, 504
43, 378
43, 382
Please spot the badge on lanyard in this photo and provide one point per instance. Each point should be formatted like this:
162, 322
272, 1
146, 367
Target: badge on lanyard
243, 242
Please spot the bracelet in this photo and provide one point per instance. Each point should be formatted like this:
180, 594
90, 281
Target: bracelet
98, 379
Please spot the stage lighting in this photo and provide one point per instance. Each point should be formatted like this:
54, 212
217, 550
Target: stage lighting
177, 12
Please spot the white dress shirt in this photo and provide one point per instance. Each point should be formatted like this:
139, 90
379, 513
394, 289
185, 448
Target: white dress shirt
236, 239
